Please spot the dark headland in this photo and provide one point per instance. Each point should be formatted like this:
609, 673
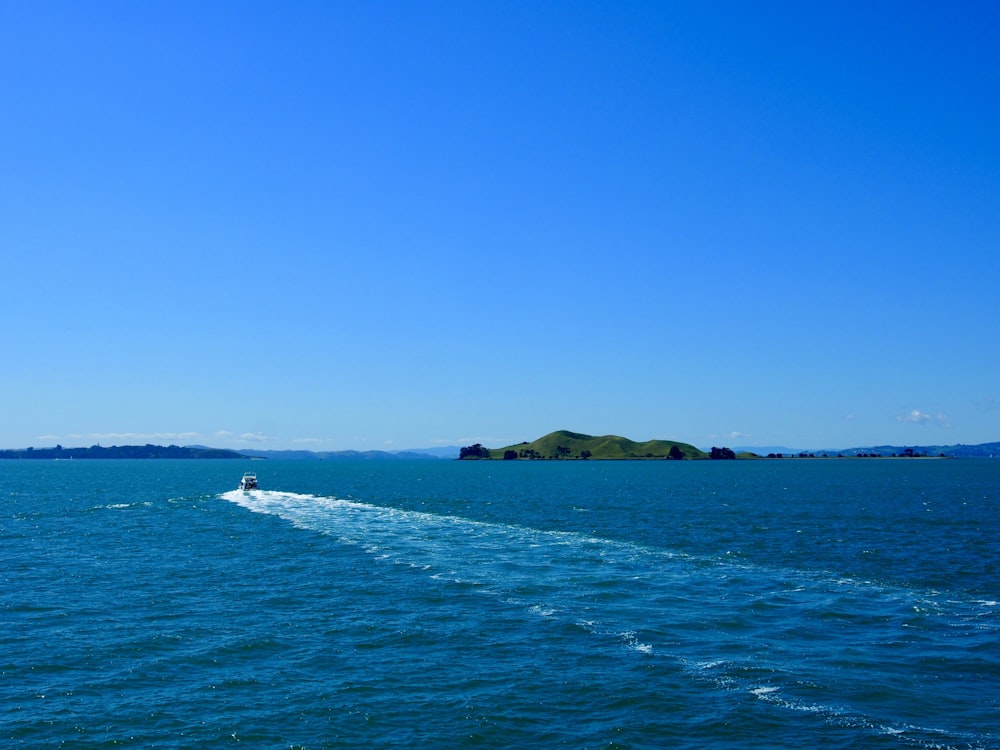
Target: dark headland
120, 451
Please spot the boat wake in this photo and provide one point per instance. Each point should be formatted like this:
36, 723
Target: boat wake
791, 640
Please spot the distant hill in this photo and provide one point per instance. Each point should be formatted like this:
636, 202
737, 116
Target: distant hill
116, 451
982, 450
343, 455
564, 444
448, 451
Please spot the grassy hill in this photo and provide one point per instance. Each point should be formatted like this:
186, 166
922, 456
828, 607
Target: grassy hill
570, 445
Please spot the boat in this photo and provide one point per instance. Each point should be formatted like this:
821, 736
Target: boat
249, 481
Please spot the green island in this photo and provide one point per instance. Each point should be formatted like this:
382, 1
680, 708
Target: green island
566, 445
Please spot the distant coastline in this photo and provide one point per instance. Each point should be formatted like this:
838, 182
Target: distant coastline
560, 445
117, 452
59, 453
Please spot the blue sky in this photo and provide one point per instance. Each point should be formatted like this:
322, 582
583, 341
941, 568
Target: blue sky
335, 225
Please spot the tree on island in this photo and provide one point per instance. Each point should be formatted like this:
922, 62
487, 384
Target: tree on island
721, 453
676, 454
474, 451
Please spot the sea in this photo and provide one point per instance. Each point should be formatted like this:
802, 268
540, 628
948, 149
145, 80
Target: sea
834, 603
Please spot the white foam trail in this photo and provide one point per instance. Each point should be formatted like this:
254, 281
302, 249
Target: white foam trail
616, 590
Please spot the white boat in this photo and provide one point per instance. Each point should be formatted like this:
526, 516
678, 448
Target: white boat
249, 481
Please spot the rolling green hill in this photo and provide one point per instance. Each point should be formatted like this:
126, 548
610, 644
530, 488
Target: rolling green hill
569, 445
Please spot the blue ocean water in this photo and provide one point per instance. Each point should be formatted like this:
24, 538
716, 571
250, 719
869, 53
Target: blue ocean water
438, 604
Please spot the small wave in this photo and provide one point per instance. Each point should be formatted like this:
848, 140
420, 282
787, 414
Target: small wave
632, 641
711, 665
726, 676
124, 506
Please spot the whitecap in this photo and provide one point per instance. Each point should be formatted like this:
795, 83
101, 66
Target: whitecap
711, 664
542, 611
632, 641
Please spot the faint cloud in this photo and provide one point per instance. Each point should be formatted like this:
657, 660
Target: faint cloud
918, 417
255, 437
131, 437
310, 440
734, 435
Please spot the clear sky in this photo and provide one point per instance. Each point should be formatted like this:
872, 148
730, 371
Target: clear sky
388, 225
